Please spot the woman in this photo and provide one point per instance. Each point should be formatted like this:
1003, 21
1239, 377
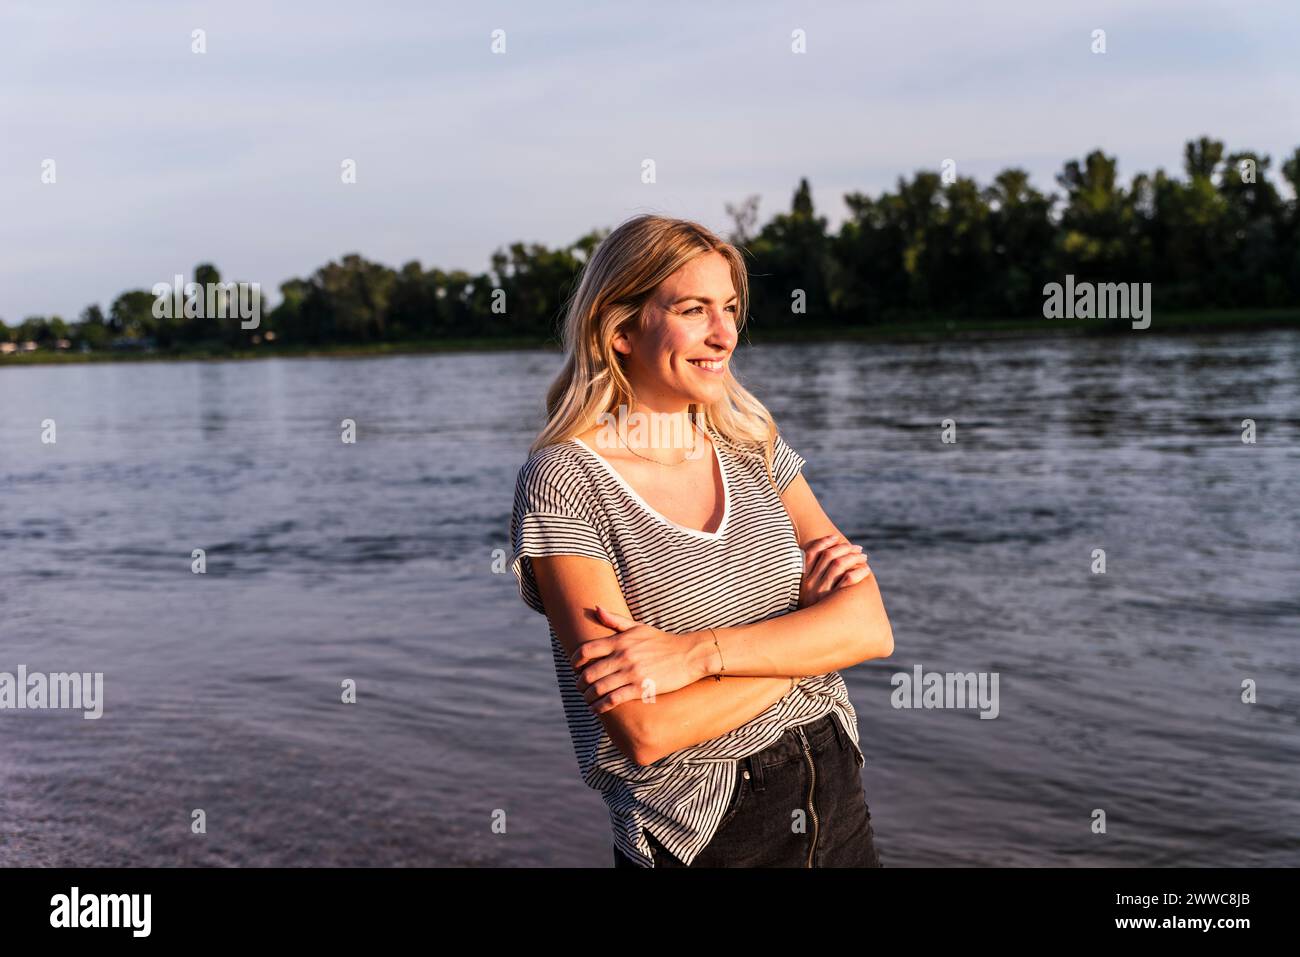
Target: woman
698, 598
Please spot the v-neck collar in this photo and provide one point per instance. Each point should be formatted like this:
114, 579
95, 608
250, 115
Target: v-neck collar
636, 496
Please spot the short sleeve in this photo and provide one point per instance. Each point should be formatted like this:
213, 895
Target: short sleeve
552, 515
786, 463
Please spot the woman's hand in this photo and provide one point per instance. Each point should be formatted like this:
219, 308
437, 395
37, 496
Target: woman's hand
829, 563
640, 660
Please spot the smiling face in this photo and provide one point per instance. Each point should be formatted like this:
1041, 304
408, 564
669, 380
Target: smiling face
683, 352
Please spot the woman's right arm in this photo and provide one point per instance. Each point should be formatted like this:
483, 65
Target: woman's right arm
570, 587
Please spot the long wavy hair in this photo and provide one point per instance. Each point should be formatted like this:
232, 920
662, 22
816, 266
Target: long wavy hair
617, 283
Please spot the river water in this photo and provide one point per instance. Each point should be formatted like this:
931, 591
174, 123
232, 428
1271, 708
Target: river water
373, 562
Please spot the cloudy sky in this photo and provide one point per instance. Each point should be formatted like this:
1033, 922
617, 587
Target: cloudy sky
164, 157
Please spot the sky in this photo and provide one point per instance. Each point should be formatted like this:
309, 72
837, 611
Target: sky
165, 158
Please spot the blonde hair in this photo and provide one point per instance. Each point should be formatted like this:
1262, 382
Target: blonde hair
617, 283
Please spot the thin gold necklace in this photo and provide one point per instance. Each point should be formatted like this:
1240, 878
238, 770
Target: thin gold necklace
667, 465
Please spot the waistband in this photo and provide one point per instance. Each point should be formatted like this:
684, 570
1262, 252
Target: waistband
820, 733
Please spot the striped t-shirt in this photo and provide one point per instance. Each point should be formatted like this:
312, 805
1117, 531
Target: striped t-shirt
570, 501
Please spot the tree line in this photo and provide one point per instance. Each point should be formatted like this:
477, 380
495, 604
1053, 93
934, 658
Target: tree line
939, 246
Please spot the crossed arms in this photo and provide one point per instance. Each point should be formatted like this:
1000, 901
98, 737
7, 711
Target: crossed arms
849, 625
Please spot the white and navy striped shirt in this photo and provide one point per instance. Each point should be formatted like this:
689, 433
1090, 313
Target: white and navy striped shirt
570, 501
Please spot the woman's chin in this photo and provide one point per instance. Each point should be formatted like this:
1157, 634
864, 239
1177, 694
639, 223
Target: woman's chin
707, 394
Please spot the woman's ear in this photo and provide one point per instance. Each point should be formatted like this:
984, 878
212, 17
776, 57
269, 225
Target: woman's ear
621, 341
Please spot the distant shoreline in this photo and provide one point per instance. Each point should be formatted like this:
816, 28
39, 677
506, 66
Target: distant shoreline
925, 330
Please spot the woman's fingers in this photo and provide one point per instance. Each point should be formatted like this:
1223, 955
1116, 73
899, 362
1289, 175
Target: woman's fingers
825, 568
823, 541
613, 619
831, 562
835, 574
818, 570
819, 554
819, 547
816, 546
854, 575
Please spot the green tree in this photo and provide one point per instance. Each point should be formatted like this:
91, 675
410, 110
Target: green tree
131, 314
35, 329
536, 281
794, 252
1289, 230
1251, 268
91, 328
1098, 223
1023, 234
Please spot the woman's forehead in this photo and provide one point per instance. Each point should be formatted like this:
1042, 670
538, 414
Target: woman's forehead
705, 283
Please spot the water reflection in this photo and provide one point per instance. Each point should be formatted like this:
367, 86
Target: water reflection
374, 562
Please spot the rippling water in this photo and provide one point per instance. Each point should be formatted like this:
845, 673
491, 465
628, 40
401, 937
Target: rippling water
374, 562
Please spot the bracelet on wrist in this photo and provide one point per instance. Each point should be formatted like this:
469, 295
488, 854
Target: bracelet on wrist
721, 665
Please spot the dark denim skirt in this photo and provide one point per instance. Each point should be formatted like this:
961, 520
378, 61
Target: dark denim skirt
798, 803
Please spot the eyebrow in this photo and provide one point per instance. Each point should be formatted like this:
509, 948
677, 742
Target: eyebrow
700, 298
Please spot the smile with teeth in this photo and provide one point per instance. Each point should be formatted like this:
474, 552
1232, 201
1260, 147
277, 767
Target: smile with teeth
709, 365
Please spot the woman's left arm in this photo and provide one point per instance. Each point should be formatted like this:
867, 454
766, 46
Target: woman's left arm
847, 626
842, 628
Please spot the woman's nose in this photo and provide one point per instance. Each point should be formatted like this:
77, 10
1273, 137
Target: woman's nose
723, 327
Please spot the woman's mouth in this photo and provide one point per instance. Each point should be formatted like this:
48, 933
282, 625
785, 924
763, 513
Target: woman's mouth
711, 366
